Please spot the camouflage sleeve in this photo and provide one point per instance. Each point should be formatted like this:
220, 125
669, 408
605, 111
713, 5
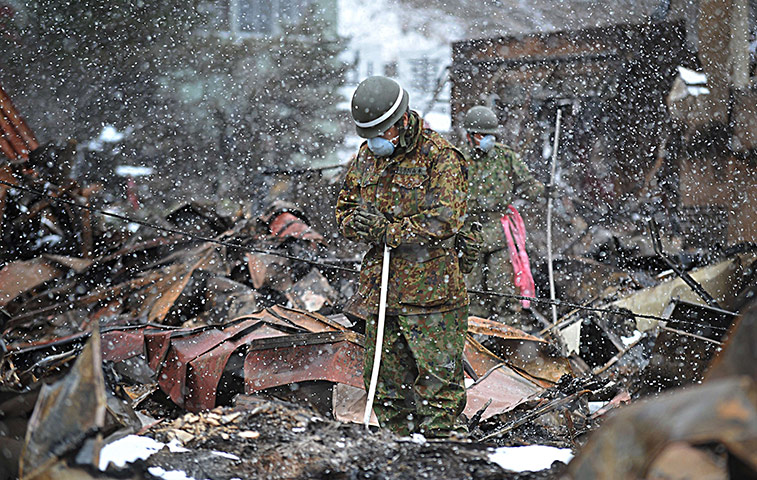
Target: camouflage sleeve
443, 209
524, 183
348, 201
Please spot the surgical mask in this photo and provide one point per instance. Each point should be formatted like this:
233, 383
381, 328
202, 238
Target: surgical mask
486, 143
382, 147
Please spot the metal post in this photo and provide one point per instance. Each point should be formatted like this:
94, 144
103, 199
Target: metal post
379, 338
549, 217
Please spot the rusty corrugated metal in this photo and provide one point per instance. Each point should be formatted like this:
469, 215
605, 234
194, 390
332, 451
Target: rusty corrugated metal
288, 225
120, 345
185, 348
17, 140
205, 371
331, 356
280, 346
484, 326
22, 276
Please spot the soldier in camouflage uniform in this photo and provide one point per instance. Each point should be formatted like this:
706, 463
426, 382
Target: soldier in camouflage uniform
496, 176
407, 189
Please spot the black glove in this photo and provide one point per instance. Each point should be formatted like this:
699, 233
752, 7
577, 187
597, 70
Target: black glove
371, 226
468, 243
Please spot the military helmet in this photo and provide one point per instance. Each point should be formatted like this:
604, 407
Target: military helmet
481, 120
377, 104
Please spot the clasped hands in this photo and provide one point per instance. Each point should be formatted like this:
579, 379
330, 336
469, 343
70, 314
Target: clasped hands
369, 225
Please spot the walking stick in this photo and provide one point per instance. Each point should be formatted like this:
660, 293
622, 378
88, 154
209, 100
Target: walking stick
379, 338
549, 218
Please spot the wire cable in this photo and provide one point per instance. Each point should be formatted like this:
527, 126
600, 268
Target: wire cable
557, 302
175, 231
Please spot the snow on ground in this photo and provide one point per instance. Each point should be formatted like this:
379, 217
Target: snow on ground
628, 341
529, 458
132, 448
691, 77
133, 171
169, 474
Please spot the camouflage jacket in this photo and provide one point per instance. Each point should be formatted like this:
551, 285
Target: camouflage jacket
495, 179
422, 190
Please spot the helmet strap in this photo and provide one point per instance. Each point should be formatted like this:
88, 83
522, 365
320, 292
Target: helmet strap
471, 140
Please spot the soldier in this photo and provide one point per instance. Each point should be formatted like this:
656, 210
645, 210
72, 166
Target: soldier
407, 189
496, 175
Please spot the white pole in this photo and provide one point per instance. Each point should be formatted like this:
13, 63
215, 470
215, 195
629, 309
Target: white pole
549, 218
379, 339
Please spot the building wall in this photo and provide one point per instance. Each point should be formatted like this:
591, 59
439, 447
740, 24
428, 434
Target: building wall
611, 83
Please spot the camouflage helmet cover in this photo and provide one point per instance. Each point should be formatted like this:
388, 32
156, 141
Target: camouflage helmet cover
377, 104
481, 120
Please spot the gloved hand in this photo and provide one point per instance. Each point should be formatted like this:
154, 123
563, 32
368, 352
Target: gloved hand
468, 243
371, 226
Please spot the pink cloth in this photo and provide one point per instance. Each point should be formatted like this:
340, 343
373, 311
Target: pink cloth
515, 232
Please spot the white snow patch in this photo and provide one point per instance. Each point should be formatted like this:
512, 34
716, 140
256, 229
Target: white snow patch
627, 341
691, 77
169, 474
226, 455
132, 171
109, 134
469, 382
531, 458
128, 449
174, 446
133, 447
418, 438
695, 91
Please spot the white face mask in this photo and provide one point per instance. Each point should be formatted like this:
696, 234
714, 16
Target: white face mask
381, 147
486, 143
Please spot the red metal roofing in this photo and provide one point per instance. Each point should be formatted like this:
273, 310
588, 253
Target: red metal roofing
16, 138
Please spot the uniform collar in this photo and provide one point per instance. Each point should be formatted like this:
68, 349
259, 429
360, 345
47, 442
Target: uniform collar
409, 141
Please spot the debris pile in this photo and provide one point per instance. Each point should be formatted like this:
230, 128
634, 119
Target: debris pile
227, 324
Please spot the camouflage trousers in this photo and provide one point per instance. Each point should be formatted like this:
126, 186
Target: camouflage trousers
420, 385
493, 272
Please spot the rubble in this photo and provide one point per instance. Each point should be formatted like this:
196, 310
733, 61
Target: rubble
677, 427
193, 327
214, 334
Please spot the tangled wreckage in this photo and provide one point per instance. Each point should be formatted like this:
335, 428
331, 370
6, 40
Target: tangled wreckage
212, 343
